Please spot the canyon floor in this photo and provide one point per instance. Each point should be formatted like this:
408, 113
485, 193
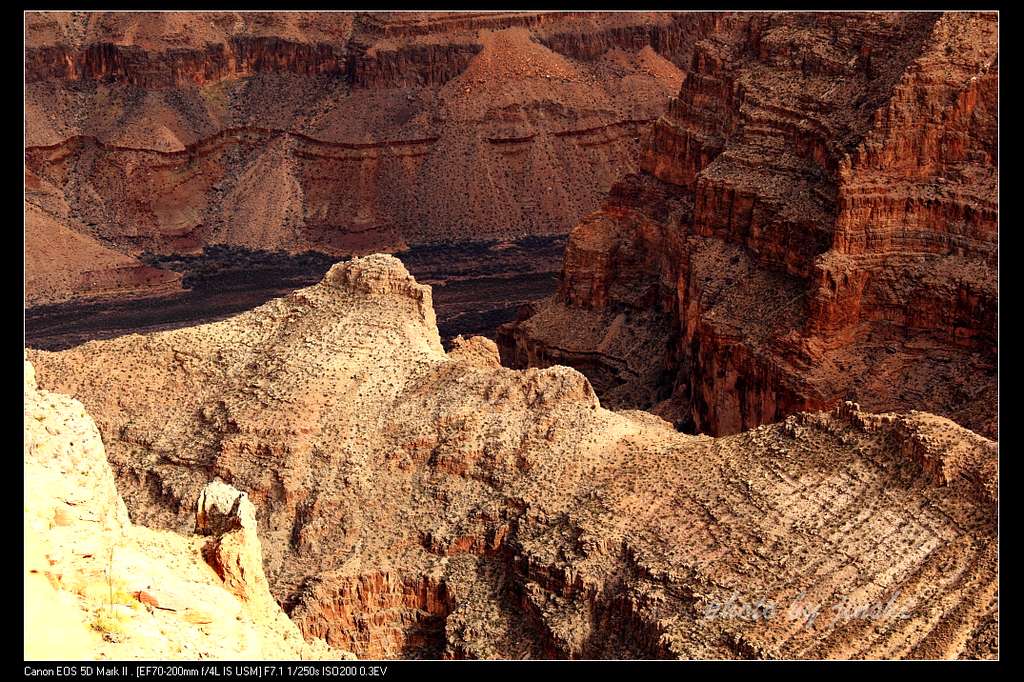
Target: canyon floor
477, 287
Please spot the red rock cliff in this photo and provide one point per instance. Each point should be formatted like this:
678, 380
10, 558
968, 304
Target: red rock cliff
815, 219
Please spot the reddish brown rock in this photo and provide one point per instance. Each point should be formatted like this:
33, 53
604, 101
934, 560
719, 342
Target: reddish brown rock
815, 220
414, 502
340, 132
63, 260
146, 598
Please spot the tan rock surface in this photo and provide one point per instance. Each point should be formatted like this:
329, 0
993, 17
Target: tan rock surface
99, 587
416, 503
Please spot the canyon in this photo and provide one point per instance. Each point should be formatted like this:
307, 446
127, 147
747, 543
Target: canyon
516, 335
814, 220
341, 133
477, 287
413, 502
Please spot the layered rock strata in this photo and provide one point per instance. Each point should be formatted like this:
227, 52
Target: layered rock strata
338, 132
63, 260
815, 220
99, 587
413, 502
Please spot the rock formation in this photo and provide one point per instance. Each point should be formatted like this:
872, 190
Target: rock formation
815, 220
413, 502
98, 587
62, 259
338, 132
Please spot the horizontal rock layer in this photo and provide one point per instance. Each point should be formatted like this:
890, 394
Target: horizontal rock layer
814, 220
341, 133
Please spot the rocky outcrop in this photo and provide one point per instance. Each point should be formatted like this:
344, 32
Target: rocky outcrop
234, 550
417, 65
413, 502
340, 132
814, 220
135, 66
98, 587
673, 36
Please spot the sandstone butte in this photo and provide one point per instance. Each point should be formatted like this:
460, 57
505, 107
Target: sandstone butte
413, 502
336, 132
815, 220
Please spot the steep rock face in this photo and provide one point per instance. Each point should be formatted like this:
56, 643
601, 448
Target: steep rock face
98, 587
413, 502
338, 132
815, 220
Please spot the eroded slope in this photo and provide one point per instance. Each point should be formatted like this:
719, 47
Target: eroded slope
418, 503
341, 132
